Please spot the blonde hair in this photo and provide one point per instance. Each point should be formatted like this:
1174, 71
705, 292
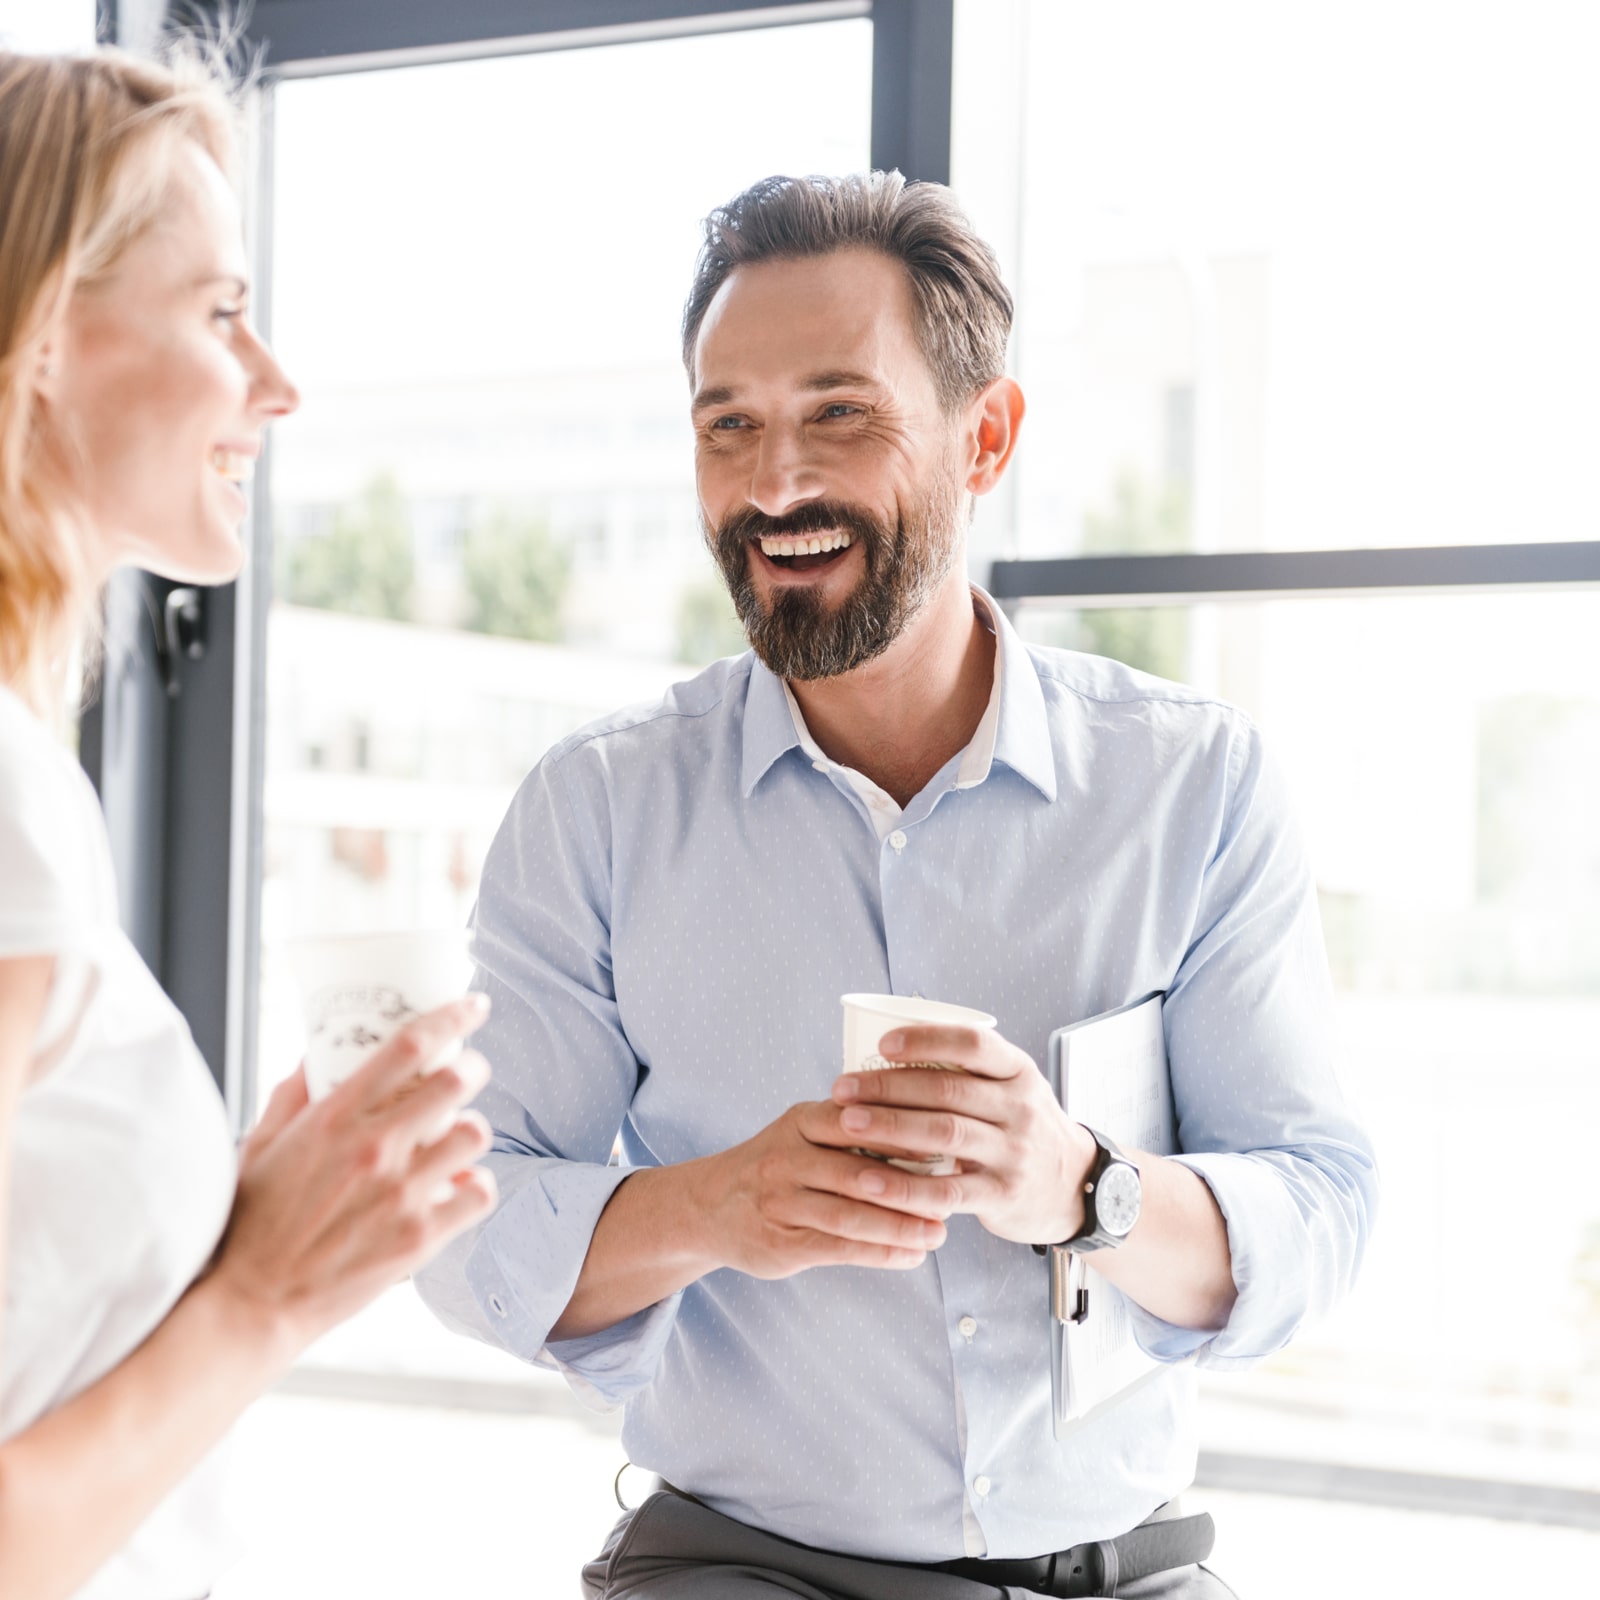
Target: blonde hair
85, 148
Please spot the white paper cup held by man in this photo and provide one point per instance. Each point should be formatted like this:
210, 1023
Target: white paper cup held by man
867, 1017
360, 989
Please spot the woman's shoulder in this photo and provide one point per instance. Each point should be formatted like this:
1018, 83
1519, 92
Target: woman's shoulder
52, 837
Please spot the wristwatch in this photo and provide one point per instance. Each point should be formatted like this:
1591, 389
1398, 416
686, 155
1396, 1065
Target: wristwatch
1112, 1195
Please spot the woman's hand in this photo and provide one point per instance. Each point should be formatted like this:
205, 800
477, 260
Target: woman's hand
340, 1199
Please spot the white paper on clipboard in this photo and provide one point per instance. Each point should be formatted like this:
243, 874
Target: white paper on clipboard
1109, 1072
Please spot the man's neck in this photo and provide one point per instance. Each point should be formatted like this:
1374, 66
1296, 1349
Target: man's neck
901, 716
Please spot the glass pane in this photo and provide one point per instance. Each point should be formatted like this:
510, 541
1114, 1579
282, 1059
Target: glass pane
1444, 754
484, 515
48, 26
1289, 277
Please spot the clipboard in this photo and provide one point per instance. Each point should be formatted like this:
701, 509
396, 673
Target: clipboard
1110, 1072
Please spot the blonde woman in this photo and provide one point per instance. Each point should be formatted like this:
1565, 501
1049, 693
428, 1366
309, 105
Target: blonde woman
154, 1284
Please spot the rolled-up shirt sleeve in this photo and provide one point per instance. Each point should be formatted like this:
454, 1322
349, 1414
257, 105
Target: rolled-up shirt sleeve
564, 1077
1261, 1115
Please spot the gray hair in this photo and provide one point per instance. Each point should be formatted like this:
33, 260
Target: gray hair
963, 309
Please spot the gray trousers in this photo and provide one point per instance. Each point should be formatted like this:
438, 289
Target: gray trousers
670, 1548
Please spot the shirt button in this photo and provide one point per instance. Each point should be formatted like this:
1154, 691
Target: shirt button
981, 1486
897, 840
819, 766
968, 1327
497, 1305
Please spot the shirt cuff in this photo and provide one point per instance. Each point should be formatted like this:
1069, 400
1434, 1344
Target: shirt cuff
1267, 1243
525, 1267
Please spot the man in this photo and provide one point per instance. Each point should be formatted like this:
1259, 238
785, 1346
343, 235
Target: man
842, 1368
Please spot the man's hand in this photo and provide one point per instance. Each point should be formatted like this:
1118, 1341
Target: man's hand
794, 1197
790, 1197
1022, 1161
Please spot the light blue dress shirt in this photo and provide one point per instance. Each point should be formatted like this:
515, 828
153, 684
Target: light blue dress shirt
676, 900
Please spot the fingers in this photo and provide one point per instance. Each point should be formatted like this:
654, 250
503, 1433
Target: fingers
978, 1050
413, 1050
924, 1133
465, 1140
474, 1195
287, 1101
875, 1183
978, 1182
914, 1130
928, 1089
421, 1105
831, 1252
822, 1227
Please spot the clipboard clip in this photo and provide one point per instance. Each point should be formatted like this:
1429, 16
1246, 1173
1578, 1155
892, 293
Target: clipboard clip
1066, 1303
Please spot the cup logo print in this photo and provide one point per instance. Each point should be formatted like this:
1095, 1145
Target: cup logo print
343, 1018
876, 1063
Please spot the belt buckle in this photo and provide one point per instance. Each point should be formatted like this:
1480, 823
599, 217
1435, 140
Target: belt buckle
1084, 1570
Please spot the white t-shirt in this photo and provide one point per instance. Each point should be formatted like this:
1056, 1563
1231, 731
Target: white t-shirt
122, 1163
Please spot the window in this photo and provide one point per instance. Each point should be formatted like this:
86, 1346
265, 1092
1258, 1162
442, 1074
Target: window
48, 27
1442, 752
1350, 239
484, 516
1289, 284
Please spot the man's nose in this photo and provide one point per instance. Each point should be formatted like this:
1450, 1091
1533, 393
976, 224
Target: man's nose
784, 476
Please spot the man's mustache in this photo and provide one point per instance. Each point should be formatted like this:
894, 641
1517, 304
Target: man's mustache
816, 516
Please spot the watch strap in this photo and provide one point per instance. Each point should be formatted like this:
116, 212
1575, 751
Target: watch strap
1090, 1236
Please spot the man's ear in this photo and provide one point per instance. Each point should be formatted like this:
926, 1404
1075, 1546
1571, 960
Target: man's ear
994, 420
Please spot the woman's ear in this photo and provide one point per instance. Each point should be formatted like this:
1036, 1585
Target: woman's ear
995, 418
45, 380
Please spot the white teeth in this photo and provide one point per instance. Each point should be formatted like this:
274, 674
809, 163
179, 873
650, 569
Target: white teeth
232, 466
785, 545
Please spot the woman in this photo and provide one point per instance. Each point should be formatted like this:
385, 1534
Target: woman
133, 398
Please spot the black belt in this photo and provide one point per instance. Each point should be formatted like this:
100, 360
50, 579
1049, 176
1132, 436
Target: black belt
1099, 1567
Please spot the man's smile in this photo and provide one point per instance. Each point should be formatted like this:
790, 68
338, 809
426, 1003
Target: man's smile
803, 552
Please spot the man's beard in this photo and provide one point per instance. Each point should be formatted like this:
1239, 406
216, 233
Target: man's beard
797, 635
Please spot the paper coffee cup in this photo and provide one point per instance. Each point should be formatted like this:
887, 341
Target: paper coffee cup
867, 1017
358, 990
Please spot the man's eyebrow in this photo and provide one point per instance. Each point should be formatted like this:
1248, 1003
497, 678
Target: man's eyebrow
718, 396
816, 383
838, 380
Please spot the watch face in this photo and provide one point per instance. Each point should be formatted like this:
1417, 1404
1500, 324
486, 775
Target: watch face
1116, 1202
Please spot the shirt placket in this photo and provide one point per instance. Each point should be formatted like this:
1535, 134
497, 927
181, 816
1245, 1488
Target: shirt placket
908, 930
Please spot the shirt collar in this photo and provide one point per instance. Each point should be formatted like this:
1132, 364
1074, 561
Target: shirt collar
768, 728
1014, 729
1022, 738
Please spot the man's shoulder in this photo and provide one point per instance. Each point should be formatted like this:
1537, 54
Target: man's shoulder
1114, 693
697, 713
